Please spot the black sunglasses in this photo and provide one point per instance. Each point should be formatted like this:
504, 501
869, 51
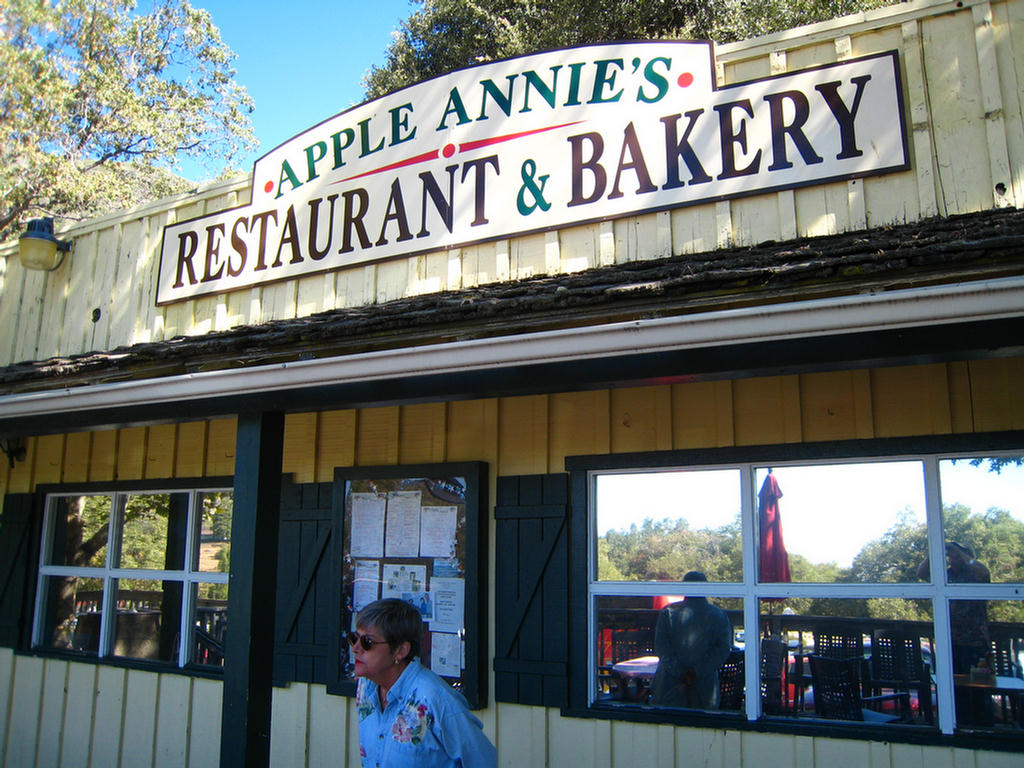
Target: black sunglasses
364, 640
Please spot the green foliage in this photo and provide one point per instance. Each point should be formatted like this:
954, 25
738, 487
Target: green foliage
144, 540
894, 557
97, 99
217, 510
665, 550
443, 35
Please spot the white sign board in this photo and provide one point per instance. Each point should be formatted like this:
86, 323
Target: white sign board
535, 143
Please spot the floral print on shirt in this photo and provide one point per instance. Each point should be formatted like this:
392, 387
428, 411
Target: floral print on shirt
412, 723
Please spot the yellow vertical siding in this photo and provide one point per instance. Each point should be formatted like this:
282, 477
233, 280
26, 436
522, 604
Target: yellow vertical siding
300, 446
190, 463
835, 406
702, 415
161, 444
377, 436
422, 434
335, 443
641, 419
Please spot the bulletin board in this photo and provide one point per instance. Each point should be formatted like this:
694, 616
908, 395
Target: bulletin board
415, 533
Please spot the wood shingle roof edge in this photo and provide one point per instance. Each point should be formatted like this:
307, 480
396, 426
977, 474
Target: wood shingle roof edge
957, 248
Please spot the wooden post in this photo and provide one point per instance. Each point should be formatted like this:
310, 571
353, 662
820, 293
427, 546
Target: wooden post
249, 645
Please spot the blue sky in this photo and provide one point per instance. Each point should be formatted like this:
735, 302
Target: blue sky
302, 61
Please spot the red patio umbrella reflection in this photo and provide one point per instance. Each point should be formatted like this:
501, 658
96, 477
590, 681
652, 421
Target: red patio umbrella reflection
774, 560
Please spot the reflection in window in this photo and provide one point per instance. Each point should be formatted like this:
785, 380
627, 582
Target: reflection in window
114, 580
849, 522
845, 594
74, 608
147, 624
988, 662
983, 518
657, 526
687, 654
80, 531
210, 624
214, 553
153, 532
860, 660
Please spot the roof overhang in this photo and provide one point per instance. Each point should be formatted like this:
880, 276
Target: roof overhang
956, 321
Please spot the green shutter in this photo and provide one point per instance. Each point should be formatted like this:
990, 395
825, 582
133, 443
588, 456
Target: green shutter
304, 588
18, 558
532, 593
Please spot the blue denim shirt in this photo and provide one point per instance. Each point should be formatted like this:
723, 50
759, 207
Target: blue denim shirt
426, 724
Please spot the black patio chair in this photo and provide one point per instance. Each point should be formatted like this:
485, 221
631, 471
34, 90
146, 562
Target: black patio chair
837, 693
897, 665
833, 641
1004, 662
731, 681
774, 653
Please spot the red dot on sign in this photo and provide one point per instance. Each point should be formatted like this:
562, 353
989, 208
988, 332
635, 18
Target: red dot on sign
685, 80
268, 187
449, 150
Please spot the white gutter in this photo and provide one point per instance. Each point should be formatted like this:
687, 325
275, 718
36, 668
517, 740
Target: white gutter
961, 302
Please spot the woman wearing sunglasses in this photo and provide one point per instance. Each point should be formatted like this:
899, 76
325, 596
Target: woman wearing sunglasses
408, 716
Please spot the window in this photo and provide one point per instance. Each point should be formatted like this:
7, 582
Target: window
809, 582
128, 574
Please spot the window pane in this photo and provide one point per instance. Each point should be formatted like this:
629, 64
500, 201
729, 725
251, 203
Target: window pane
80, 531
988, 662
657, 526
71, 613
686, 654
859, 660
983, 518
215, 533
154, 531
844, 522
211, 623
148, 619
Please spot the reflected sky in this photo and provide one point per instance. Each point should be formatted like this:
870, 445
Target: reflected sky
828, 512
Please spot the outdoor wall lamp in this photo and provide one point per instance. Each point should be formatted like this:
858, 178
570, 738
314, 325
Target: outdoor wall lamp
39, 249
13, 448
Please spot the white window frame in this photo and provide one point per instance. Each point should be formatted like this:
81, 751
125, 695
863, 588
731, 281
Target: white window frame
937, 590
190, 577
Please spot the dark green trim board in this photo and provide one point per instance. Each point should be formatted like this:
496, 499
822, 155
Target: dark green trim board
249, 647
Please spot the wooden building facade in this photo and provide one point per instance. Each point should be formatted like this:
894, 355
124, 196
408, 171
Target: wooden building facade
855, 320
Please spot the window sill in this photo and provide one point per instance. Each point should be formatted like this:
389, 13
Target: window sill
996, 741
212, 673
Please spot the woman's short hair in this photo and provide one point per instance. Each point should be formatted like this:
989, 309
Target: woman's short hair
398, 621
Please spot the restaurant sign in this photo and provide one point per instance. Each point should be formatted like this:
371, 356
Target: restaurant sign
534, 143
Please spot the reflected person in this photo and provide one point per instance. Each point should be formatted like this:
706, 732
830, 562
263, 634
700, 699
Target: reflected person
692, 640
968, 625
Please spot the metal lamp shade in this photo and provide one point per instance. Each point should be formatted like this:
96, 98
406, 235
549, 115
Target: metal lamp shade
38, 248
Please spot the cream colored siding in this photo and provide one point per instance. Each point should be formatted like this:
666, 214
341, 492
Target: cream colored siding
962, 93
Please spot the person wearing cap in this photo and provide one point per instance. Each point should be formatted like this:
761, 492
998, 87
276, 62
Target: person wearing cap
968, 625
